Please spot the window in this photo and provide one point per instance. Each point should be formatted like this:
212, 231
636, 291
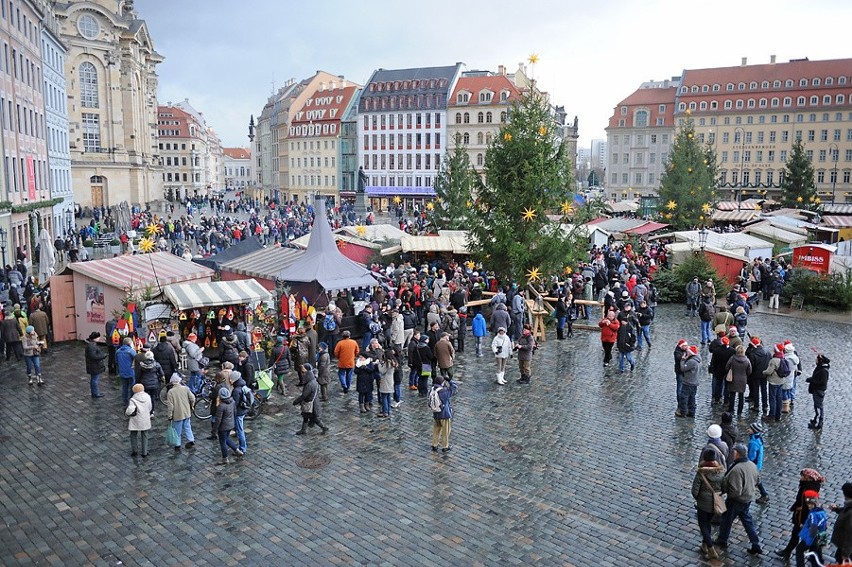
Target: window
800, 101
479, 160
665, 138
728, 105
465, 140
91, 132
788, 101
467, 118
652, 157
87, 25
814, 100
724, 156
760, 137
820, 177
822, 154
88, 85
458, 118
480, 118
488, 117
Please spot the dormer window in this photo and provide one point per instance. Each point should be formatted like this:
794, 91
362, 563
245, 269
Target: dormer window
485, 96
504, 96
463, 98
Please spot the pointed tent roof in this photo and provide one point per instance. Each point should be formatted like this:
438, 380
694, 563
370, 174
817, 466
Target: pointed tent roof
322, 262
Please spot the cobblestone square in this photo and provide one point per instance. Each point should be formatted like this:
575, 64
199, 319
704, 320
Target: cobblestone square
583, 467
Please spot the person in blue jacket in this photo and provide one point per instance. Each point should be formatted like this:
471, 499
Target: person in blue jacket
442, 411
124, 357
755, 455
813, 531
480, 329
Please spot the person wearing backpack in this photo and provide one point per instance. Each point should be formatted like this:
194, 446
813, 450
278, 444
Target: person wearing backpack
332, 329
626, 338
777, 370
310, 407
814, 532
323, 370
442, 411
706, 312
243, 400
788, 390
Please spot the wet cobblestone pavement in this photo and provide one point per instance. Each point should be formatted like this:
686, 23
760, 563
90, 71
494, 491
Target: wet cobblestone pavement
584, 467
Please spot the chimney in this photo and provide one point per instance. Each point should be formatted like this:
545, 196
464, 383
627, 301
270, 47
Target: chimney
333, 85
342, 83
745, 62
772, 59
501, 69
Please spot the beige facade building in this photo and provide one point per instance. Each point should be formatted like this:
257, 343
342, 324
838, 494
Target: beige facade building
191, 153
314, 140
112, 103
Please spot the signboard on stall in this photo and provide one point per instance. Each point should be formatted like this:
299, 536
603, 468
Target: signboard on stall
814, 257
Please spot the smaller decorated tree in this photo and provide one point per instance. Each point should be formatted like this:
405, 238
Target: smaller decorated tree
455, 187
688, 186
798, 190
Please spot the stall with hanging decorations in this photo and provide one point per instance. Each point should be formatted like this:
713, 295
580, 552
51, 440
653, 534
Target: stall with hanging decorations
206, 309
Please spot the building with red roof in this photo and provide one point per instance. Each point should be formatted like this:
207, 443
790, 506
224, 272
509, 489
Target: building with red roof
239, 173
190, 152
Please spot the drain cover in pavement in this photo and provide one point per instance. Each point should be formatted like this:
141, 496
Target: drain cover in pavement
512, 447
313, 461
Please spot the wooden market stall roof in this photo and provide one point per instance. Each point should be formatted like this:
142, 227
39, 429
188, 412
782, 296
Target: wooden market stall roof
266, 263
212, 294
141, 270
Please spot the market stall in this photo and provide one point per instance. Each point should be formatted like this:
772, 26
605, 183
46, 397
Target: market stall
206, 308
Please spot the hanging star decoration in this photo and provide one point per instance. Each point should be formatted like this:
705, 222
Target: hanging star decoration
152, 229
430, 205
671, 205
533, 58
528, 214
361, 230
568, 270
706, 208
146, 245
397, 199
542, 131
688, 112
469, 203
533, 275
758, 208
668, 216
470, 264
799, 199
817, 200
507, 136
341, 244
566, 207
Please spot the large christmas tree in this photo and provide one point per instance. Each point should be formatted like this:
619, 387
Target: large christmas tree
455, 187
688, 186
528, 176
798, 188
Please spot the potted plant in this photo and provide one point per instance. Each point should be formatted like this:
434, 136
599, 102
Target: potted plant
115, 246
89, 245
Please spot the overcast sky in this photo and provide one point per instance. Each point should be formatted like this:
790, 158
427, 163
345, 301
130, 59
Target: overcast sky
225, 56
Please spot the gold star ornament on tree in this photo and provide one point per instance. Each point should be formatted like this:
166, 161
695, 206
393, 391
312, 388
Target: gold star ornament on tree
671, 205
528, 214
533, 59
361, 230
152, 229
507, 136
430, 205
397, 199
799, 199
533, 275
543, 131
470, 264
706, 208
566, 208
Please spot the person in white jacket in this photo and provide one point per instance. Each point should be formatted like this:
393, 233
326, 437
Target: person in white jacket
501, 346
139, 411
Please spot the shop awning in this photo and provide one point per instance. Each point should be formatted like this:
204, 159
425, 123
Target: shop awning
141, 270
211, 294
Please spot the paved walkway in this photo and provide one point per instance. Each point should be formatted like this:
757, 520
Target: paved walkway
583, 467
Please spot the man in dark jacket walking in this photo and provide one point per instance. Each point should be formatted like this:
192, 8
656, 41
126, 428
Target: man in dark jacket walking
164, 353
10, 332
242, 399
739, 485
817, 385
310, 406
757, 384
95, 362
149, 373
442, 417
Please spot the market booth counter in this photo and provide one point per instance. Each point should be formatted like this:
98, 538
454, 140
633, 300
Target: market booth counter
87, 294
205, 308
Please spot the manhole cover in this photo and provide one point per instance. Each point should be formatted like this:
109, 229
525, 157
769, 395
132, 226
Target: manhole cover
313, 461
512, 447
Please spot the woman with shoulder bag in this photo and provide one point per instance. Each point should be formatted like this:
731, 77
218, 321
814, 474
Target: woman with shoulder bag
139, 411
706, 485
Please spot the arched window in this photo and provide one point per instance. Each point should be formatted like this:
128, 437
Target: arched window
488, 117
502, 117
466, 139
488, 138
480, 138
88, 85
458, 117
466, 118
480, 118
479, 159
640, 119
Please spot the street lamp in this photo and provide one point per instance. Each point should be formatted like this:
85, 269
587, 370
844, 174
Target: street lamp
3, 243
702, 238
69, 215
835, 153
741, 131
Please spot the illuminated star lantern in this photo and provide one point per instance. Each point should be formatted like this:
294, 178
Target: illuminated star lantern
470, 265
528, 214
533, 275
397, 199
469, 204
341, 244
430, 205
361, 230
799, 199
817, 200
146, 245
543, 131
757, 207
533, 59
152, 229
507, 136
671, 205
688, 112
566, 208
706, 208
568, 270
690, 134
668, 216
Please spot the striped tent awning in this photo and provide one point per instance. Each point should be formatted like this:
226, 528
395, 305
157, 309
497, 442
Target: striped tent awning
211, 294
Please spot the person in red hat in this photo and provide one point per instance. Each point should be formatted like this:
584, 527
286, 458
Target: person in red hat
759, 357
814, 530
809, 479
775, 376
721, 352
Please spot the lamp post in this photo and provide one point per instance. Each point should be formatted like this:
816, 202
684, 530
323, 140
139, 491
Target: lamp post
69, 215
835, 153
702, 238
741, 131
3, 243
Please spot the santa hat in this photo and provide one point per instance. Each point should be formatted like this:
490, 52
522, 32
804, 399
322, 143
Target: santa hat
779, 348
810, 495
725, 341
693, 349
755, 341
682, 342
732, 331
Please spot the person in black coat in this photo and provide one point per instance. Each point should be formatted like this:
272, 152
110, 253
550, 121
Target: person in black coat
164, 353
759, 357
95, 362
424, 356
817, 384
721, 353
809, 479
364, 379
